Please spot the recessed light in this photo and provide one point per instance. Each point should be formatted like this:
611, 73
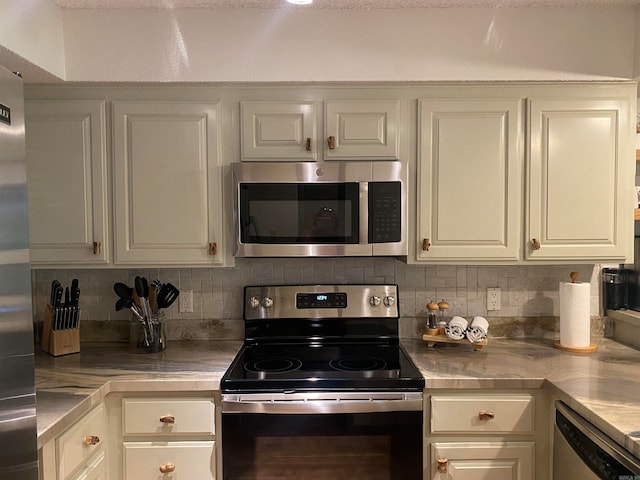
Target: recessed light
300, 2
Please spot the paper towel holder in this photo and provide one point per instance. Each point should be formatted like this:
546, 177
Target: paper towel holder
592, 346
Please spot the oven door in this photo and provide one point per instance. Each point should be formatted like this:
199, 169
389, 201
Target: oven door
322, 436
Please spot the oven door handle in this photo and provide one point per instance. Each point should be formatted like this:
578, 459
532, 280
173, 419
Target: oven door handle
310, 405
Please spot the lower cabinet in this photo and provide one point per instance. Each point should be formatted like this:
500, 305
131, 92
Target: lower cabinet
478, 435
482, 460
79, 452
162, 436
148, 460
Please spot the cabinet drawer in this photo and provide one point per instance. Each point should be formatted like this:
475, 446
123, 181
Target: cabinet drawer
482, 414
96, 470
74, 447
192, 460
167, 416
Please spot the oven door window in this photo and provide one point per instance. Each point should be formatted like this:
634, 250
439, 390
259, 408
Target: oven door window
372, 446
299, 213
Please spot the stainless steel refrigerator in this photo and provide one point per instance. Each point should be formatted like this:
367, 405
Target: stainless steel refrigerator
18, 430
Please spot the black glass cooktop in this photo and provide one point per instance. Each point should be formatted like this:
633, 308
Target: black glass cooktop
305, 367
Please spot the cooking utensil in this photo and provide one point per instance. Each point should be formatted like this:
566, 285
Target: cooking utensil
167, 295
126, 293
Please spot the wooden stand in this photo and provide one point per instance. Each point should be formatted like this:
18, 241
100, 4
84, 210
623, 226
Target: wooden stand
58, 342
590, 349
441, 338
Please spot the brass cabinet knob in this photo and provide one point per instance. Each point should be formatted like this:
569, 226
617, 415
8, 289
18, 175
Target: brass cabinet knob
167, 468
96, 248
168, 419
91, 440
535, 244
308, 144
483, 415
331, 141
213, 248
426, 244
443, 464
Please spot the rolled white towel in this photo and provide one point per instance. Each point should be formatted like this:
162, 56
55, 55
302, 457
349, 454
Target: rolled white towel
478, 329
456, 327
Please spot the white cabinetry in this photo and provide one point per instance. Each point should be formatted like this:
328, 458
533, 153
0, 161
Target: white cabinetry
167, 184
163, 436
278, 130
79, 452
469, 191
560, 190
366, 130
477, 435
288, 130
581, 161
67, 187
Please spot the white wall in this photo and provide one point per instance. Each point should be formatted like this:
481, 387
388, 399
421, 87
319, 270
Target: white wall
349, 45
32, 30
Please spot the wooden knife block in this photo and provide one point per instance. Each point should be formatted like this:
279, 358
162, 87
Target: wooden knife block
58, 342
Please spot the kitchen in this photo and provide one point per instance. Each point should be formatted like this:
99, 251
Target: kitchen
430, 50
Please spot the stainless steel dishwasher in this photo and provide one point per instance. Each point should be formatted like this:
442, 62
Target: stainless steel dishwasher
582, 452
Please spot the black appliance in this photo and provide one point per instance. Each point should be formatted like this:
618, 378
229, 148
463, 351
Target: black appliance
322, 387
615, 287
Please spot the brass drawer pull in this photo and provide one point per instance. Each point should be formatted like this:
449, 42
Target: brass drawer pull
308, 144
426, 245
486, 415
443, 464
91, 440
331, 141
167, 468
168, 419
535, 244
96, 248
213, 248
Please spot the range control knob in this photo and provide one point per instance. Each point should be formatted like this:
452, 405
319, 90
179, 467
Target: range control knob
374, 301
389, 301
267, 302
254, 302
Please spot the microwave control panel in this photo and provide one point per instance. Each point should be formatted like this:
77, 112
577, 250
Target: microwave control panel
385, 212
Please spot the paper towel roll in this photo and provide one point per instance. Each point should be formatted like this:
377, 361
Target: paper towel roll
575, 314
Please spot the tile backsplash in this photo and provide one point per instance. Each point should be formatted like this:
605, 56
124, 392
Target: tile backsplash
530, 301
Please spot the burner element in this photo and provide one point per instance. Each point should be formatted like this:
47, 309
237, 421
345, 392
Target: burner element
273, 365
357, 363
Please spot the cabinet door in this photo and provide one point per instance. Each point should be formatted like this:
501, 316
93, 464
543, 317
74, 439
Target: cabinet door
146, 460
362, 130
278, 131
581, 176
482, 461
67, 182
167, 184
469, 191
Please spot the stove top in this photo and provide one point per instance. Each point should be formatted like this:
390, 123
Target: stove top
300, 367
321, 338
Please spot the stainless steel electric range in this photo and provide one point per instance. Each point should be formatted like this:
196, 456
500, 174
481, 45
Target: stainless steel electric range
322, 388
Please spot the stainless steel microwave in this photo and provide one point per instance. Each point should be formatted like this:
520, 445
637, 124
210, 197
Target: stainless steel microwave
332, 209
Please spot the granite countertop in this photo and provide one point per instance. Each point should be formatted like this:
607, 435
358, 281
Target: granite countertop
603, 386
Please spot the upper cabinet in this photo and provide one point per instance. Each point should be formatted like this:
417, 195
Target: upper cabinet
278, 130
353, 130
168, 204
581, 164
361, 130
469, 193
560, 190
67, 183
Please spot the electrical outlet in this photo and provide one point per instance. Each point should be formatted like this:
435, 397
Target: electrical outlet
186, 301
493, 299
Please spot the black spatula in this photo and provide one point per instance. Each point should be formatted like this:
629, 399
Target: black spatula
167, 295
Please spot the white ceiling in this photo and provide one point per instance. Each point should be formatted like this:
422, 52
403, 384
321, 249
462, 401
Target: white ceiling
336, 4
